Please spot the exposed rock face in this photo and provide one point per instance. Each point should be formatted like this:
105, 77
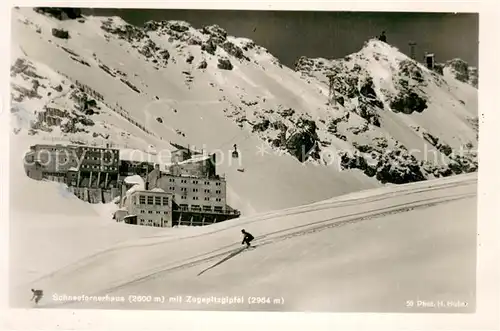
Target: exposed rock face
60, 13
225, 64
287, 112
165, 55
410, 69
152, 26
177, 26
304, 142
367, 90
203, 65
460, 68
473, 77
126, 32
464, 164
129, 84
408, 103
306, 65
261, 126
430, 138
60, 33
438, 67
407, 171
356, 161
147, 50
248, 45
461, 71
217, 34
209, 46
396, 166
234, 50
194, 40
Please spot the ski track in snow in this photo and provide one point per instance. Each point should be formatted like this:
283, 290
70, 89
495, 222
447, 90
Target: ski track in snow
332, 222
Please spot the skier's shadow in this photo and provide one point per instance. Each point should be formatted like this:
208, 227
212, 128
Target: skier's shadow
233, 254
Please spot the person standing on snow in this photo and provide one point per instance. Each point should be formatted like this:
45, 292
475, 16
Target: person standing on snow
37, 295
247, 238
383, 37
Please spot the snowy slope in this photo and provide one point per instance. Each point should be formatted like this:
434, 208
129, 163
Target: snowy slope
366, 252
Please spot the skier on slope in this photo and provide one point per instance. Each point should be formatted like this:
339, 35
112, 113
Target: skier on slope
247, 238
37, 295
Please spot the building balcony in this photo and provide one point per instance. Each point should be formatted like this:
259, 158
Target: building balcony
227, 211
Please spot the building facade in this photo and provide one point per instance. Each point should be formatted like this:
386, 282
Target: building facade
98, 168
198, 193
52, 159
90, 172
194, 193
131, 168
151, 208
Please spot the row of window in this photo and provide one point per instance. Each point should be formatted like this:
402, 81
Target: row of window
99, 158
183, 197
152, 200
184, 189
97, 167
198, 207
184, 181
52, 149
149, 223
158, 212
88, 149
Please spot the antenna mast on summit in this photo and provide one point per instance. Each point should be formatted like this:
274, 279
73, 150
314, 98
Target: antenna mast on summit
331, 90
412, 49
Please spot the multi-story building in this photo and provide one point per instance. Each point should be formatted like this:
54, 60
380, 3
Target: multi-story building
90, 172
79, 166
130, 168
194, 193
149, 208
98, 167
199, 195
50, 161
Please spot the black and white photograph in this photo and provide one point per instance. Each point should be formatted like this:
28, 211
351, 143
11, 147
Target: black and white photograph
230, 160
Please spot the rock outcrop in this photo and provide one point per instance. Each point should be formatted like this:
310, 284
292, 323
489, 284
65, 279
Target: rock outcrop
60, 13
60, 33
225, 64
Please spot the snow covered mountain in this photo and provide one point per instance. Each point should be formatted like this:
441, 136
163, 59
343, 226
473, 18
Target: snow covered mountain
402, 106
101, 80
460, 70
